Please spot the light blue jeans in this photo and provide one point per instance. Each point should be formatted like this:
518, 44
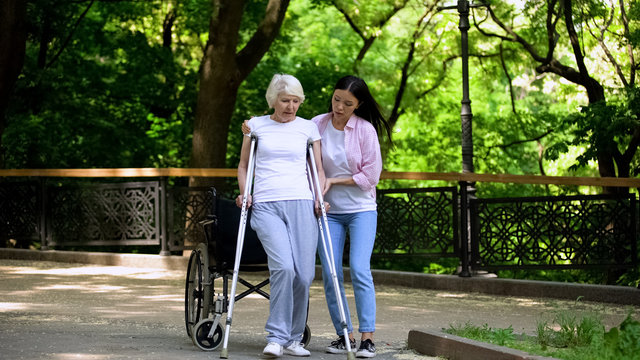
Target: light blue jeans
362, 235
287, 231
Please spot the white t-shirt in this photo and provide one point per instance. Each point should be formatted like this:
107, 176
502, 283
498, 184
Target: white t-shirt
281, 158
344, 199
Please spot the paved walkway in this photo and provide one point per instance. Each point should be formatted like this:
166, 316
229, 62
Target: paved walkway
54, 310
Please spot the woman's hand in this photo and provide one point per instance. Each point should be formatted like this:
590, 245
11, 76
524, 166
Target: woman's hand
336, 181
239, 201
319, 210
327, 185
245, 127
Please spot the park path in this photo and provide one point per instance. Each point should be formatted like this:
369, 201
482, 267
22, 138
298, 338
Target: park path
54, 310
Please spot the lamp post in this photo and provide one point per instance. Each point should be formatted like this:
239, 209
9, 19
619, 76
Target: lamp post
467, 189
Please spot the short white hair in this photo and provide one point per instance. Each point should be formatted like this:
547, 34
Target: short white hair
283, 84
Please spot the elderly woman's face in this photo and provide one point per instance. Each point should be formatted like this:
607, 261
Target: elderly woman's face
285, 108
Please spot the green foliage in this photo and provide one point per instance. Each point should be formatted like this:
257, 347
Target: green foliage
115, 97
445, 266
485, 333
571, 331
604, 126
624, 342
634, 14
566, 337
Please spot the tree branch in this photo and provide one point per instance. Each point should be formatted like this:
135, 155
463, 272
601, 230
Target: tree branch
506, 72
573, 37
368, 40
625, 23
261, 40
607, 52
417, 32
518, 142
70, 35
514, 37
552, 33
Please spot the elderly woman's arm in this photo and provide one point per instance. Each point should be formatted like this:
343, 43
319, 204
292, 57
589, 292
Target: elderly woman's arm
317, 155
243, 166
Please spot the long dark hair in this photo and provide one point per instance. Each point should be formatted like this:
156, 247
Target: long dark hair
369, 108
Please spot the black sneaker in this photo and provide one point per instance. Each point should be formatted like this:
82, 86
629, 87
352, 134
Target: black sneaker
338, 346
366, 350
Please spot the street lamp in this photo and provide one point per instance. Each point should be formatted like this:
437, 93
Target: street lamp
467, 137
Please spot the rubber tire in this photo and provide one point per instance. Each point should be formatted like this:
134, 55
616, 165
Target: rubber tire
207, 286
306, 336
200, 332
193, 292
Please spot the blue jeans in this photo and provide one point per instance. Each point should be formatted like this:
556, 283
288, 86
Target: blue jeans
362, 235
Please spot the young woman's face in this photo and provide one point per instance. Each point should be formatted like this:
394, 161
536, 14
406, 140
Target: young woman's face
286, 107
343, 104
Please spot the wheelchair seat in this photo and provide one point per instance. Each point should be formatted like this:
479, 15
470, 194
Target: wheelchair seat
225, 237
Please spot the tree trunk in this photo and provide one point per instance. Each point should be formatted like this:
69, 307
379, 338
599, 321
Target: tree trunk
222, 71
13, 38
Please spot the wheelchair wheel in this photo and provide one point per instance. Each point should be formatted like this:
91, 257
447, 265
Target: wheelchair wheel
207, 280
193, 292
306, 336
201, 337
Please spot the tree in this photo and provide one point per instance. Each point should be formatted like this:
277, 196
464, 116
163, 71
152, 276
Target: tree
587, 27
13, 37
222, 71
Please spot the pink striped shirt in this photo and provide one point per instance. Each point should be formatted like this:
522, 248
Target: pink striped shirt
362, 148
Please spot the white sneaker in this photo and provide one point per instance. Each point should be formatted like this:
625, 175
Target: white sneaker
272, 349
296, 349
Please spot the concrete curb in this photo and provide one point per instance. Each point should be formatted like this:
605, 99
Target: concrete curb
452, 347
510, 287
494, 286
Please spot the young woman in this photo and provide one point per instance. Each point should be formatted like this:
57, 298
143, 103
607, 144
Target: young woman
283, 211
352, 164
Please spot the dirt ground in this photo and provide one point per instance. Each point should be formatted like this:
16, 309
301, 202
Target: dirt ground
52, 310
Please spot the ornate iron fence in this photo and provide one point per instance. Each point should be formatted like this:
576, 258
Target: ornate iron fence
516, 233
554, 232
417, 222
20, 211
104, 214
186, 207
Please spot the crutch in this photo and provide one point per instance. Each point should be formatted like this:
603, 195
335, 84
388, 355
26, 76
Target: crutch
328, 253
224, 353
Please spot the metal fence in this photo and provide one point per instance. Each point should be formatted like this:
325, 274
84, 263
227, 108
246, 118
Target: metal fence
554, 232
509, 233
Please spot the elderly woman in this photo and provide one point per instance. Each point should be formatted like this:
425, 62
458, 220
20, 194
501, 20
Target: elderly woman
283, 210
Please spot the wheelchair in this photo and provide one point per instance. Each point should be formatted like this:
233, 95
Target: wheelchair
213, 260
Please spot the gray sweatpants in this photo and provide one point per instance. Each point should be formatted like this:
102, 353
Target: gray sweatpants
288, 231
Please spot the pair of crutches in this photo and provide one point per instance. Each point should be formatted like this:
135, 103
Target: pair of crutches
314, 180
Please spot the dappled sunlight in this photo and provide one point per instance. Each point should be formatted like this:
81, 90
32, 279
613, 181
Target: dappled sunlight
84, 287
165, 297
83, 356
124, 311
129, 272
452, 295
7, 306
528, 302
410, 309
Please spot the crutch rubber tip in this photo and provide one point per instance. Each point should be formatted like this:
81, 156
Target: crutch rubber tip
351, 355
224, 354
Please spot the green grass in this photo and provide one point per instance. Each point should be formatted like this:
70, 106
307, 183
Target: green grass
567, 337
